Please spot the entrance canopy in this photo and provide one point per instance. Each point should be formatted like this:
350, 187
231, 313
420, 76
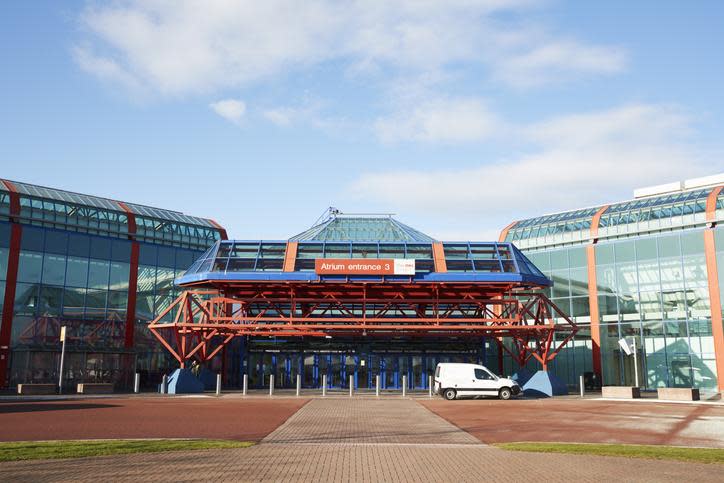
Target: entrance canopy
369, 276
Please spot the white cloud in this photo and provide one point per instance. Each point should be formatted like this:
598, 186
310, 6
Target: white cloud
559, 60
230, 109
439, 121
281, 116
191, 46
578, 160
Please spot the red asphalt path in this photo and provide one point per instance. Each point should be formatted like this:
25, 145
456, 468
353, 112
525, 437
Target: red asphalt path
141, 417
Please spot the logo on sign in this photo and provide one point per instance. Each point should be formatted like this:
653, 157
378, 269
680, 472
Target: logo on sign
343, 266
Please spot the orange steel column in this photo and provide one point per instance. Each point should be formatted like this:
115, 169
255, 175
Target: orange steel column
504, 233
438, 256
593, 293
290, 257
717, 330
132, 278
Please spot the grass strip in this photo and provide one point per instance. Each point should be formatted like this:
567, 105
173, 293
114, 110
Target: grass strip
678, 453
32, 450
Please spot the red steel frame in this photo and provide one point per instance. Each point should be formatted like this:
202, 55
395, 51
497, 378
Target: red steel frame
199, 323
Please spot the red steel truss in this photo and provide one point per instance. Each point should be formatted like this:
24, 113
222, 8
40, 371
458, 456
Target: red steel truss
199, 323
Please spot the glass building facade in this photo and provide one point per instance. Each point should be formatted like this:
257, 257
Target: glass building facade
100, 267
645, 269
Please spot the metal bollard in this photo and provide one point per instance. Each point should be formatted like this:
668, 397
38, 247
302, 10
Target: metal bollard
324, 384
137, 383
404, 386
377, 385
351, 385
218, 384
164, 384
299, 384
429, 386
271, 384
245, 385
583, 388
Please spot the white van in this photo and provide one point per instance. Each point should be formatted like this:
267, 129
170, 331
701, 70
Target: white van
453, 380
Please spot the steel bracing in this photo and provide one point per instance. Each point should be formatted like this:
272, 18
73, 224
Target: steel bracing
199, 323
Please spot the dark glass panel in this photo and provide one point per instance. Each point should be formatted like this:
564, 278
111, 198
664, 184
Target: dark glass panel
246, 264
73, 302
166, 257
30, 266
146, 254
269, 264
245, 250
95, 304
273, 250
459, 265
26, 298
117, 302
580, 307
50, 300
419, 251
78, 245
77, 272
4, 235
483, 251
54, 269
220, 264
119, 275
364, 250
389, 250
98, 272
121, 251
56, 242
337, 250
487, 265
100, 248
32, 239
456, 251
422, 265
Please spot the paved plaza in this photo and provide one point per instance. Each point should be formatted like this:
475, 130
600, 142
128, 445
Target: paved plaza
339, 439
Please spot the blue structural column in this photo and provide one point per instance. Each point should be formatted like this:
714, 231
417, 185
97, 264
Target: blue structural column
242, 359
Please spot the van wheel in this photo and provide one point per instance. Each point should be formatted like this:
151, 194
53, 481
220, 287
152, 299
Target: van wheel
449, 394
504, 393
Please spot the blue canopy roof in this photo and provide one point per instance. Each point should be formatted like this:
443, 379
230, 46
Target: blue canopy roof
237, 260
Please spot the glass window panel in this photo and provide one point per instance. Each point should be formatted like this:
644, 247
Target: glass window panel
56, 242
626, 278
223, 252
77, 272
483, 251
121, 251
32, 239
244, 264
95, 304
26, 298
273, 250
692, 243
453, 251
580, 307
73, 302
459, 265
146, 254
607, 305
650, 305
671, 273
695, 271
98, 273
364, 250
336, 250
269, 264
119, 275
625, 251
100, 248
559, 259
30, 266
117, 302
245, 250
389, 250
3, 262
78, 245
540, 260
166, 257
577, 257
579, 281
50, 301
649, 278
606, 279
669, 246
54, 269
604, 254
487, 265
419, 251
561, 284
645, 250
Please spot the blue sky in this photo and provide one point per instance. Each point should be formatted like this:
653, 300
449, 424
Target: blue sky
457, 115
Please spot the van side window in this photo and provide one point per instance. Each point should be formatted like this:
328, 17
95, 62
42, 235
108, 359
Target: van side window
481, 374
437, 371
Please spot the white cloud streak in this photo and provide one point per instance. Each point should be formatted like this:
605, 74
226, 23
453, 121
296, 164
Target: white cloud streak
577, 160
193, 46
232, 110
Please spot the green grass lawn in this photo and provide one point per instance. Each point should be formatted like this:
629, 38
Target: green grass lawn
695, 455
31, 450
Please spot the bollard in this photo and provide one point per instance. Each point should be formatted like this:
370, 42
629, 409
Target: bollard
164, 384
271, 384
404, 386
351, 385
583, 388
245, 385
299, 384
218, 384
377, 385
137, 383
324, 384
429, 386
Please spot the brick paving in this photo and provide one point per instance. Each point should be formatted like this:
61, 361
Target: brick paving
360, 440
